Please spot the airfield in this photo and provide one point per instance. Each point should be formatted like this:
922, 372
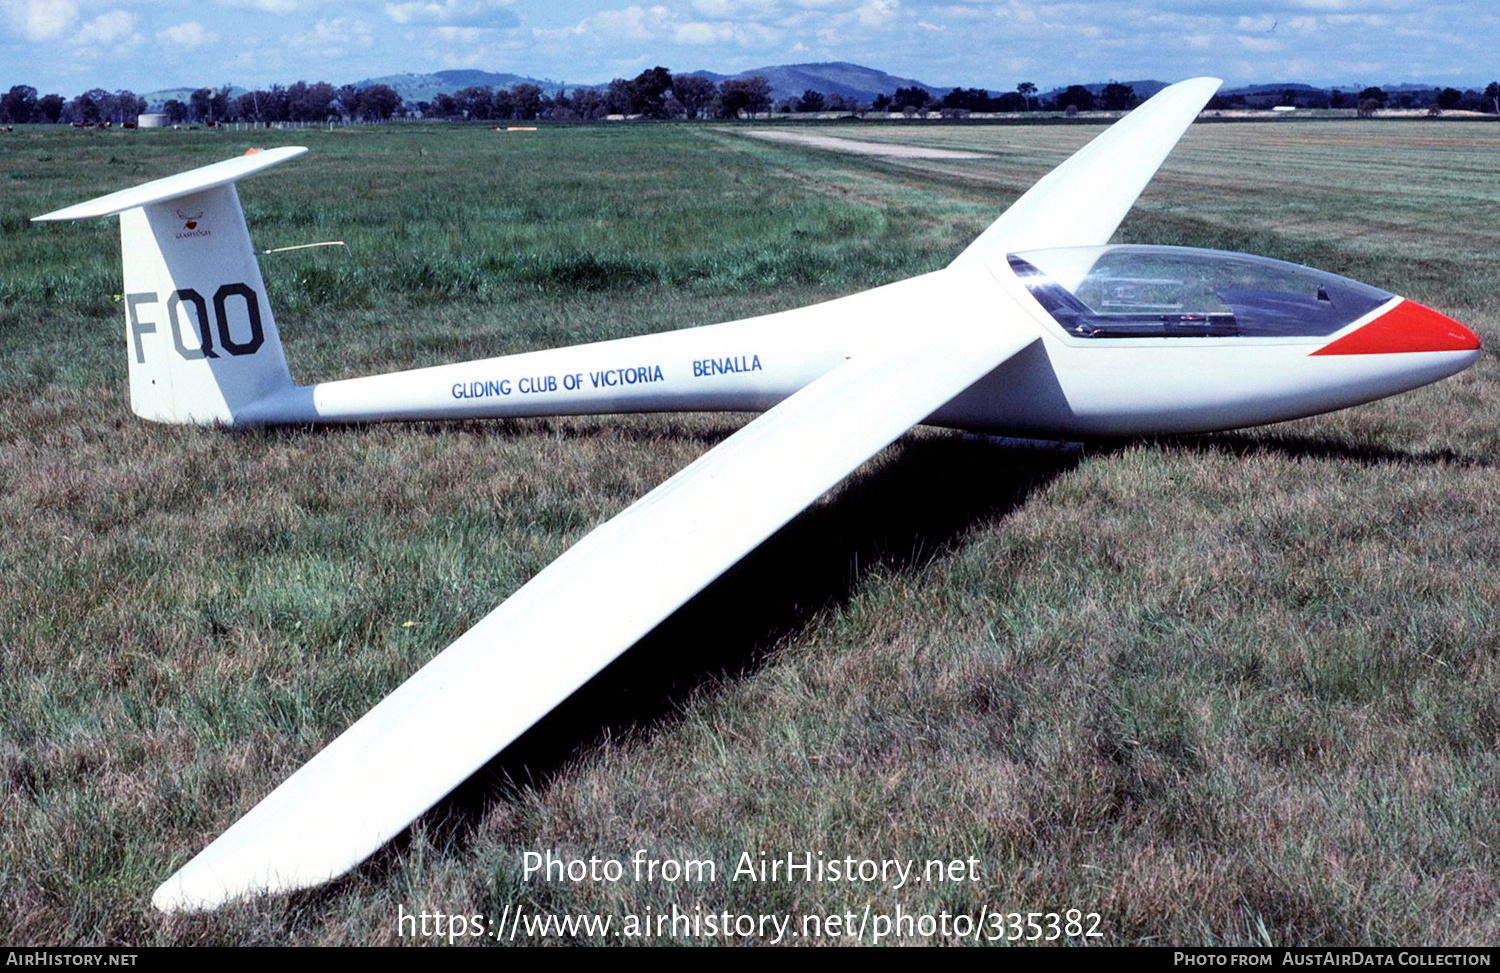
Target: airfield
1222, 689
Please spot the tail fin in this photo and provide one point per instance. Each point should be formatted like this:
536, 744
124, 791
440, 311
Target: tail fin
199, 334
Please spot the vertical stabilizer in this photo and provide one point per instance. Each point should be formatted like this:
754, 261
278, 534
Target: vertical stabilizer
200, 337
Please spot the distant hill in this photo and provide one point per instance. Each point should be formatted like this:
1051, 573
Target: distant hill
1251, 90
155, 99
424, 87
1275, 89
829, 78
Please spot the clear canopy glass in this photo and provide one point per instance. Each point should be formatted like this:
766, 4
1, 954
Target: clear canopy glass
1142, 291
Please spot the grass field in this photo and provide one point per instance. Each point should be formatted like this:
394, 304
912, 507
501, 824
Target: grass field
1224, 689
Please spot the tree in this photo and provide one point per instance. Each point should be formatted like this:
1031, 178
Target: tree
752, 94
811, 101
694, 92
527, 101
1492, 92
1081, 98
1449, 98
1009, 101
969, 99
310, 102
475, 102
348, 101
882, 102
646, 93
132, 105
200, 104
1373, 94
915, 97
1118, 97
562, 106
18, 105
505, 104
50, 107
218, 105
176, 111
617, 97
91, 107
1367, 107
1337, 99
589, 103
276, 104
1027, 91
379, 102
247, 107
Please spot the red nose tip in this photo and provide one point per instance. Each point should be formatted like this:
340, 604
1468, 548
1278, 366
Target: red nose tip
1406, 327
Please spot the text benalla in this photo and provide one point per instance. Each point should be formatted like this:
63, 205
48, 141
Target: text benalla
731, 365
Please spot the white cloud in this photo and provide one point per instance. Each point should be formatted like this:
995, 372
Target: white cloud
722, 9
189, 34
111, 29
269, 6
658, 24
873, 13
41, 20
334, 38
458, 13
459, 35
1260, 44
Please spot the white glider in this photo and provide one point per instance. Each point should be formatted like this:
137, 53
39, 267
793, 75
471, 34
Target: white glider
1038, 328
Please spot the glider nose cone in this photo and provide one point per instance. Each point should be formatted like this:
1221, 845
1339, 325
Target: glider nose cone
1407, 327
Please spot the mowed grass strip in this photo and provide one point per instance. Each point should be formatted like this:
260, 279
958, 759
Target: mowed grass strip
1234, 688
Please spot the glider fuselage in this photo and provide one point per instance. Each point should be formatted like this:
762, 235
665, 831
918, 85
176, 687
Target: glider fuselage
1063, 386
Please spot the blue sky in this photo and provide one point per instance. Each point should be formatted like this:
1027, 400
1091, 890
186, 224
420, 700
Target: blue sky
71, 45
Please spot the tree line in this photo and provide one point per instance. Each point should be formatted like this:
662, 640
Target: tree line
1368, 101
301, 102
658, 93
655, 93
22, 105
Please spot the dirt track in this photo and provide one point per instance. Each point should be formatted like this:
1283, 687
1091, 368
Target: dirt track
864, 148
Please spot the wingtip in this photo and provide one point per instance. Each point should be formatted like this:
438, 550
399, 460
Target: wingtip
1205, 85
159, 190
171, 897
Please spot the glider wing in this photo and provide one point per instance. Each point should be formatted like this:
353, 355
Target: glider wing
598, 599
1082, 201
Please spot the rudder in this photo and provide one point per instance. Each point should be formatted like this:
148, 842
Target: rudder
200, 336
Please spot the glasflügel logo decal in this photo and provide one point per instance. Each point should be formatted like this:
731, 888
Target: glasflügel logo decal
190, 227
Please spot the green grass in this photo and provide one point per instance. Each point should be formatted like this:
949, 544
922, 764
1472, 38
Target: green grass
1223, 689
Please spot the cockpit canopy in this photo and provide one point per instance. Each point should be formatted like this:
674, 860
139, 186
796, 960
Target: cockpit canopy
1156, 292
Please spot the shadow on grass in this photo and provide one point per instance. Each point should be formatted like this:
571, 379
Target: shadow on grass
1323, 448
622, 426
921, 499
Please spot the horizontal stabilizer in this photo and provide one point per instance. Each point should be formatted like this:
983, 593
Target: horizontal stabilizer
182, 184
